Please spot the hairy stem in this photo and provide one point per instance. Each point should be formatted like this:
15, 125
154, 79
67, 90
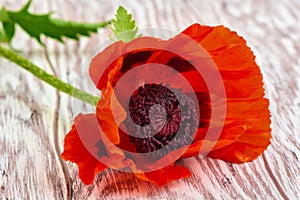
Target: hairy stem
48, 78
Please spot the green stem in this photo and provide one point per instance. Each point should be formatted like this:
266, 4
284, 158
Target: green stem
48, 78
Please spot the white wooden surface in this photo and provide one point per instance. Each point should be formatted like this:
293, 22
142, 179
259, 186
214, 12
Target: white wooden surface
34, 118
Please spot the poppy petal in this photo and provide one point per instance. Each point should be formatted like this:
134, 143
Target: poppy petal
107, 117
165, 175
76, 152
103, 62
246, 132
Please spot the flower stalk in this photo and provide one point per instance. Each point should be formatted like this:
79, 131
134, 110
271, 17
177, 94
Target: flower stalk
46, 77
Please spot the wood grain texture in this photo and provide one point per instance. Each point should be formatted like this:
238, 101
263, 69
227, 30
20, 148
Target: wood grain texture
34, 118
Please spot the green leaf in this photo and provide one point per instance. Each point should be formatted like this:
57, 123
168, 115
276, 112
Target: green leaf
3, 15
9, 30
42, 24
3, 37
124, 26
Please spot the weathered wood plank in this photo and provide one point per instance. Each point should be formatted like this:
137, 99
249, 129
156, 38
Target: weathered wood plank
34, 119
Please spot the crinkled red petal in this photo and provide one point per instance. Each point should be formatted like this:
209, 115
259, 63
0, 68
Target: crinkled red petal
75, 151
165, 175
246, 132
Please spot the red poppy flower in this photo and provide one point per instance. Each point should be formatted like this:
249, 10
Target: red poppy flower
162, 100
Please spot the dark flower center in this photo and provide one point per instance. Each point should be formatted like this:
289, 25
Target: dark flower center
156, 115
